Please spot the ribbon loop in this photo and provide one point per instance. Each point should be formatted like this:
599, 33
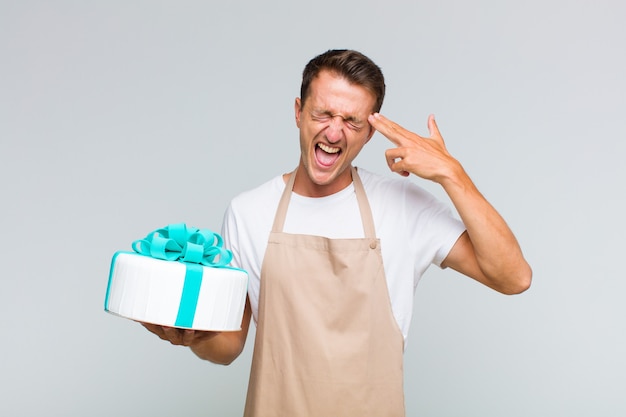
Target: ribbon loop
192, 252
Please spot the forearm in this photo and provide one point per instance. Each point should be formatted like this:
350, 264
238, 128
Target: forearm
224, 347
497, 252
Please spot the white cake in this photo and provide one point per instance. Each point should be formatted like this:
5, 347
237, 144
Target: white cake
175, 293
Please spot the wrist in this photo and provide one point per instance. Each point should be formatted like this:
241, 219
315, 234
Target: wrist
455, 177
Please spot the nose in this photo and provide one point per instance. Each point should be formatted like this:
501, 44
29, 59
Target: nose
334, 131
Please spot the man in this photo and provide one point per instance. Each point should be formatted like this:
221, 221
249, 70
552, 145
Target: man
334, 253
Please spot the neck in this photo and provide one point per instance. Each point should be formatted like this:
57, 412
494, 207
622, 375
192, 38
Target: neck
307, 188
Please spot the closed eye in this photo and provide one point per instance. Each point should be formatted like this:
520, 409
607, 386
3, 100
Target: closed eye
351, 122
355, 125
320, 118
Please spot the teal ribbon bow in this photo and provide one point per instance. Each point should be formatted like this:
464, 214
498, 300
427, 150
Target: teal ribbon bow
177, 242
195, 248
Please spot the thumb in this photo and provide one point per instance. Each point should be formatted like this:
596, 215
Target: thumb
433, 129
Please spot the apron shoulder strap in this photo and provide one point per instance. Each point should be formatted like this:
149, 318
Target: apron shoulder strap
364, 206
281, 211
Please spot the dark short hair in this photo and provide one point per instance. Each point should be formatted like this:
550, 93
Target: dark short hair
355, 67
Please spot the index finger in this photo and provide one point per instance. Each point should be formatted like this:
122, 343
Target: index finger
391, 130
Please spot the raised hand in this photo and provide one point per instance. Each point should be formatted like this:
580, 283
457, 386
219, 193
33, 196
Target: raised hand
426, 157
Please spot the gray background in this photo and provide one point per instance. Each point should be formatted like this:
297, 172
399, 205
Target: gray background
117, 118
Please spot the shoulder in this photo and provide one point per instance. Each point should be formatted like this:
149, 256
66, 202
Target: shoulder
395, 190
377, 181
262, 192
252, 204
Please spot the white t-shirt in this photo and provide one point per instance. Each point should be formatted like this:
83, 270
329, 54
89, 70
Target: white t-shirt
414, 228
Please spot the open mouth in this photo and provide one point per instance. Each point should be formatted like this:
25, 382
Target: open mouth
326, 155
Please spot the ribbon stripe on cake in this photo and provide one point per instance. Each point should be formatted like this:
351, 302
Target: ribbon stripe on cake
193, 247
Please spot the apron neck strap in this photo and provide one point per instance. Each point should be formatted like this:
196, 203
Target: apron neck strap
361, 198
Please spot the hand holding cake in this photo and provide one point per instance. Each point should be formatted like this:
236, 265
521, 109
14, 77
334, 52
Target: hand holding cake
180, 337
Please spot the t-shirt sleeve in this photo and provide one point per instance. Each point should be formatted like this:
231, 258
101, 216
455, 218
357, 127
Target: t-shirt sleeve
435, 222
453, 234
230, 235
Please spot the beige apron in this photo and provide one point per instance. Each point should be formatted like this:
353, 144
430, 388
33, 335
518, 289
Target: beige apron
327, 343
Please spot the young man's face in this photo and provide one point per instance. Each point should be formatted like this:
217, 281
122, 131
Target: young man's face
333, 129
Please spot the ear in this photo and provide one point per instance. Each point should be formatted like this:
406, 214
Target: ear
298, 110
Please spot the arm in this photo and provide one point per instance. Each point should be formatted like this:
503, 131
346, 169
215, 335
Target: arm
488, 251
217, 347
